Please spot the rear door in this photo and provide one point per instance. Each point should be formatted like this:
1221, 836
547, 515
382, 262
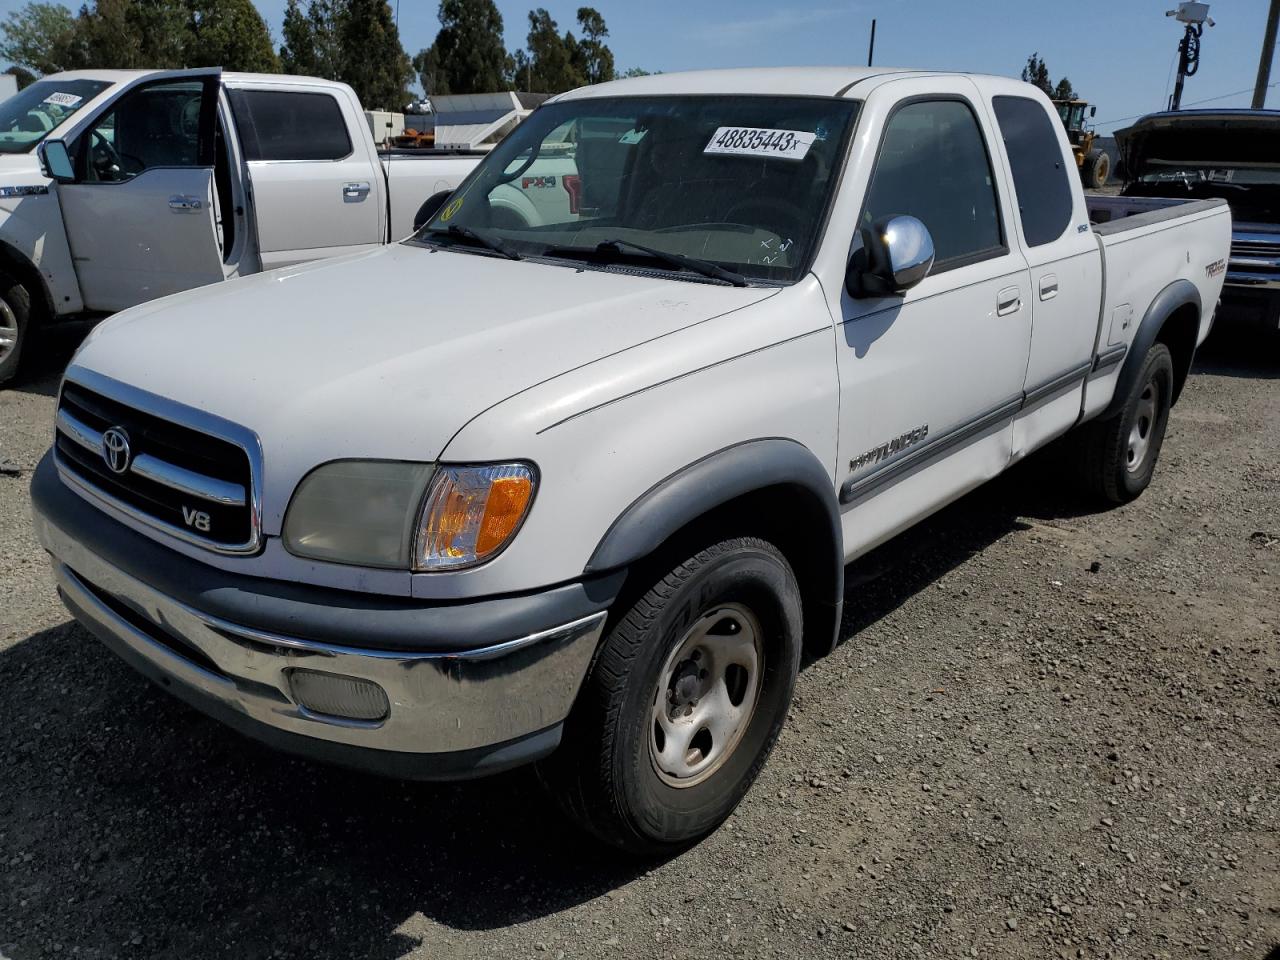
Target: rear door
140, 216
930, 381
1062, 255
316, 190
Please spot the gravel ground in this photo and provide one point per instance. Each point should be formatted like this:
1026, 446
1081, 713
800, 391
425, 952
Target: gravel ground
1051, 732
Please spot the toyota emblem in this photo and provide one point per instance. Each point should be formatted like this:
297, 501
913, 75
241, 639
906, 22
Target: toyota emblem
115, 450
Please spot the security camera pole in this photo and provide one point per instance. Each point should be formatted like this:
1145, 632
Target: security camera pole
1268, 52
1195, 16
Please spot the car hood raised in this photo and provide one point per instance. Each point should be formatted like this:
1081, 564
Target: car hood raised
387, 354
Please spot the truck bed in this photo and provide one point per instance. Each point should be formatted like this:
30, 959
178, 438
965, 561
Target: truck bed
1110, 215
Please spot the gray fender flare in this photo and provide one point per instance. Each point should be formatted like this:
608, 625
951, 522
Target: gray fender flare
682, 498
1178, 294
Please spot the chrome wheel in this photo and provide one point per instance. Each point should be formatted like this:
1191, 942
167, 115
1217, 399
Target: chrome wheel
8, 331
706, 695
1144, 420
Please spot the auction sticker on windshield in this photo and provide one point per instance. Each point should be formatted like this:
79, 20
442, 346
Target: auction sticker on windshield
757, 142
63, 99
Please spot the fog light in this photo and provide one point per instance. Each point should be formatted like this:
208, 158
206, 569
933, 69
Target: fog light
338, 696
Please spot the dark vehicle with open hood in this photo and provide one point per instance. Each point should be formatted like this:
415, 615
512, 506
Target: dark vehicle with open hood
1205, 154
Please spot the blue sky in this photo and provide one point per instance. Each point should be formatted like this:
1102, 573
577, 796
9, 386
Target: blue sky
1119, 55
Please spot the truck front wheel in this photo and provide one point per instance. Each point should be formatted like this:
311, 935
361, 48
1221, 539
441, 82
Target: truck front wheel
1118, 455
15, 314
684, 700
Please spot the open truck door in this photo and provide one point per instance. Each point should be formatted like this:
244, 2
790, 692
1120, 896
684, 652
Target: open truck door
139, 206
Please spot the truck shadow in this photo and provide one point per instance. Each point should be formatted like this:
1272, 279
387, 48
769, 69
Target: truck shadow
131, 816
41, 372
1246, 352
882, 580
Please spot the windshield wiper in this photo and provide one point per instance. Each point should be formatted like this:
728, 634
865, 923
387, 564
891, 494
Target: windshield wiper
479, 239
677, 260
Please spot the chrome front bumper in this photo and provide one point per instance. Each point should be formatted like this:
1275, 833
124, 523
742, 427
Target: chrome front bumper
439, 703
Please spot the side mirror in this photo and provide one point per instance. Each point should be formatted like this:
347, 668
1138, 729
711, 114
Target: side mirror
897, 253
430, 208
1093, 111
56, 161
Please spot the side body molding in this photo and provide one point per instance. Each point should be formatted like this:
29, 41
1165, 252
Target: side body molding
722, 477
1178, 294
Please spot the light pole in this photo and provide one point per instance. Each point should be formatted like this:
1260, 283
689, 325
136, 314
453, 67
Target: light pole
1268, 52
1195, 16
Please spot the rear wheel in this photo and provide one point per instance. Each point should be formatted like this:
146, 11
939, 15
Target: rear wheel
1119, 454
684, 701
15, 316
1096, 169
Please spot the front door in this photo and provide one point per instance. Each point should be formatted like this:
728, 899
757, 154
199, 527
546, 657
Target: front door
140, 218
930, 381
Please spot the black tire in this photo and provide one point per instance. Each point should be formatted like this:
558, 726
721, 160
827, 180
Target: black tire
1117, 463
606, 774
15, 324
1096, 169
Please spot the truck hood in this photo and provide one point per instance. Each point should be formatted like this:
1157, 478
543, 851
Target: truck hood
386, 354
1199, 138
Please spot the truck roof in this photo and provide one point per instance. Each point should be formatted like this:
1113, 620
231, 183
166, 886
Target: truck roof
759, 81
126, 76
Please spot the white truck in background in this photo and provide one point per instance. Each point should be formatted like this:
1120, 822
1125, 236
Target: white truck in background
118, 187
590, 508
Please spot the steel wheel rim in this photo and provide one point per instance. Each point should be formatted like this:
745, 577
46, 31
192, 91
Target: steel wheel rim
706, 696
1144, 422
8, 330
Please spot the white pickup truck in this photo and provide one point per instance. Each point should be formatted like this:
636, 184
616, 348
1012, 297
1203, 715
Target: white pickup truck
591, 508
117, 187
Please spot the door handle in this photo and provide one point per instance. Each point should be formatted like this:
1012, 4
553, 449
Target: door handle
1008, 300
354, 192
1048, 286
181, 204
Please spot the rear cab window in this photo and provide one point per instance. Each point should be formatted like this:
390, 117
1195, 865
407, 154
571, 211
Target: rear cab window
1040, 178
290, 125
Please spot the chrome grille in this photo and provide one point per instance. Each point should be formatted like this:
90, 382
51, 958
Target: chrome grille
192, 484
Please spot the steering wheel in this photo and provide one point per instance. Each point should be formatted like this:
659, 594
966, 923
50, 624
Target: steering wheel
110, 162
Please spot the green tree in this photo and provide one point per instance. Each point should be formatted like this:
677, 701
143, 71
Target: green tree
1036, 73
40, 37
373, 60
554, 65
637, 72
231, 34
468, 55
311, 44
594, 58
426, 64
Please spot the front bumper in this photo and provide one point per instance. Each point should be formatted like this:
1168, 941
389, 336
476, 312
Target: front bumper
456, 712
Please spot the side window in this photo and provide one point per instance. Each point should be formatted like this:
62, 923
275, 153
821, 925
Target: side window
154, 126
281, 125
933, 165
1039, 173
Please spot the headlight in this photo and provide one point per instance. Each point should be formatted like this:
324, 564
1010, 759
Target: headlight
357, 511
471, 513
381, 513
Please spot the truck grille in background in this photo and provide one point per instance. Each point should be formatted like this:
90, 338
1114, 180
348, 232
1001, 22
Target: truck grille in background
1254, 257
197, 485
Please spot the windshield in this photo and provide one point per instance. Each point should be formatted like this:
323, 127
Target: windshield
740, 184
27, 117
